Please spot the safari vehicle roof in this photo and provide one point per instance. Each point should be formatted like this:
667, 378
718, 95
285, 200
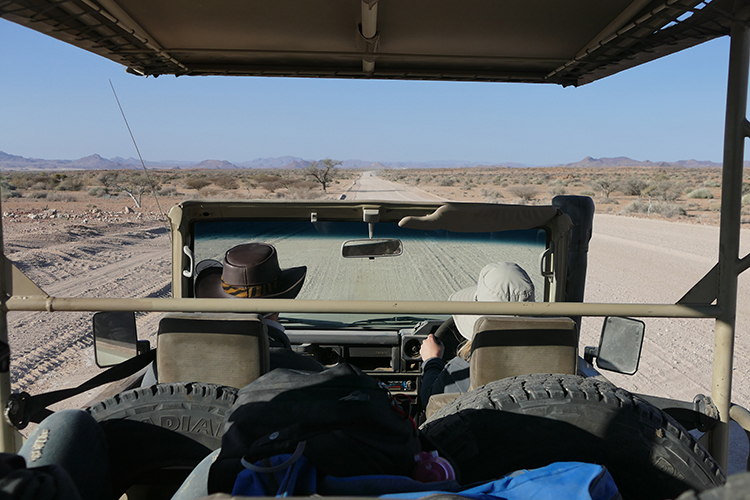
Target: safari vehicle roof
544, 41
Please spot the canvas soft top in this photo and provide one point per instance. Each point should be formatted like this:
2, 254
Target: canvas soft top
544, 41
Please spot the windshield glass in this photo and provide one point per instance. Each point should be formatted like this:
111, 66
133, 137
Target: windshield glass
433, 263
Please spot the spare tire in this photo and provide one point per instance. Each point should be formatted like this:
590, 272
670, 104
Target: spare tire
158, 434
194, 410
533, 420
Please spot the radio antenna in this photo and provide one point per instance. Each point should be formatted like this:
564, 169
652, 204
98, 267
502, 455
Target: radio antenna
143, 164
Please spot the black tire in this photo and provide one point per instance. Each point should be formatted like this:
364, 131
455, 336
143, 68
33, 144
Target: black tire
533, 420
194, 410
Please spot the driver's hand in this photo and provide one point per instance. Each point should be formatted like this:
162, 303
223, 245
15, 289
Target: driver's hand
431, 348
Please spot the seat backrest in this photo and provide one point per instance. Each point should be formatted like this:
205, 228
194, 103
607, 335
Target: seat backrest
506, 346
225, 349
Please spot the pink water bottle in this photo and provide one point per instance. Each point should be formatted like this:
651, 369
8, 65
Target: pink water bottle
431, 468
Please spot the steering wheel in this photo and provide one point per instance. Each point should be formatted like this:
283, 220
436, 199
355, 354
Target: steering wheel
450, 337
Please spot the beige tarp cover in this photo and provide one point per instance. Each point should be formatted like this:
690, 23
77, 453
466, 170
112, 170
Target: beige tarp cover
569, 42
477, 218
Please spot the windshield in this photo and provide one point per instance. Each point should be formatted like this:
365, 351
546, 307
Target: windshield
433, 263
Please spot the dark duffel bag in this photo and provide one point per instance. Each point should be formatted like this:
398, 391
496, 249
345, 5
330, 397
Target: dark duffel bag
349, 423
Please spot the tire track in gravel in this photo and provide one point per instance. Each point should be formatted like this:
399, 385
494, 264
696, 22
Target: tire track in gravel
55, 350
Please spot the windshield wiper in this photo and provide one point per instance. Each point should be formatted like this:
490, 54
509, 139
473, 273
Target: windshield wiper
312, 322
395, 320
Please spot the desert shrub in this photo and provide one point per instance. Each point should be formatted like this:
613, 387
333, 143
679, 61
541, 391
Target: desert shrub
715, 184
61, 196
491, 196
645, 207
664, 190
746, 199
168, 191
303, 193
97, 192
557, 190
207, 192
700, 193
226, 182
632, 186
70, 184
498, 180
525, 192
38, 194
272, 185
196, 183
587, 193
42, 186
447, 182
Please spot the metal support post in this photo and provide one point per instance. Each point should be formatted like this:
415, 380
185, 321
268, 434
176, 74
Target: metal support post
729, 238
8, 435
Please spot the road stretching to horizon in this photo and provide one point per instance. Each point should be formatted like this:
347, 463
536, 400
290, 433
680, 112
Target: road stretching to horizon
631, 260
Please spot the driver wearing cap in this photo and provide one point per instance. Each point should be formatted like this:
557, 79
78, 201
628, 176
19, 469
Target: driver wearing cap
498, 282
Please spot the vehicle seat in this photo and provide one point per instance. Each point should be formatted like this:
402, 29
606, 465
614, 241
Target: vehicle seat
507, 346
224, 349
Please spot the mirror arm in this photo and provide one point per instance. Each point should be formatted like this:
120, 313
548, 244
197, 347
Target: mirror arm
589, 353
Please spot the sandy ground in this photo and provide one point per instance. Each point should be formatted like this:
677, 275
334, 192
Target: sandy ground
114, 254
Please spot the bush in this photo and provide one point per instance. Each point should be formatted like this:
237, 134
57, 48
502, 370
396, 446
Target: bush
447, 182
70, 184
524, 191
38, 194
587, 193
196, 183
557, 190
633, 186
226, 182
97, 192
43, 186
61, 196
168, 191
700, 193
664, 190
663, 209
491, 196
746, 199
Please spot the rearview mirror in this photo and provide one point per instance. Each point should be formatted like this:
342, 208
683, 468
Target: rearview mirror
619, 345
115, 337
372, 248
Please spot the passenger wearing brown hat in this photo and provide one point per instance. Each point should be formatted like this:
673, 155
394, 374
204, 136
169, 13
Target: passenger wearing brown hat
498, 282
252, 271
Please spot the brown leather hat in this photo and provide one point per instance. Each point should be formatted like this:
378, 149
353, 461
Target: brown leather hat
250, 270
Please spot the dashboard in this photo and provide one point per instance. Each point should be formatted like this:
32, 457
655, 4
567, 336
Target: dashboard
390, 355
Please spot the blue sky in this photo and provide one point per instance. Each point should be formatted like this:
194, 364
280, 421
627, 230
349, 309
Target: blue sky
57, 104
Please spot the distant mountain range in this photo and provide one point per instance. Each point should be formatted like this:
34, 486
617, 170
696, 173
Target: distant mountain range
96, 162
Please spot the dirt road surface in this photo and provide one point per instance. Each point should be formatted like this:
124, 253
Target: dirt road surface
630, 260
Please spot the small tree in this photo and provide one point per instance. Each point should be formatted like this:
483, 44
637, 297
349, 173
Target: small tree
135, 184
604, 184
323, 172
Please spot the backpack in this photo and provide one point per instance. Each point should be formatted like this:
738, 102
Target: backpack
346, 422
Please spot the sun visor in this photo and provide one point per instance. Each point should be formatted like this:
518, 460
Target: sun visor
481, 218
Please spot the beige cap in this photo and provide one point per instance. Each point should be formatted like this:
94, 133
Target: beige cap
498, 282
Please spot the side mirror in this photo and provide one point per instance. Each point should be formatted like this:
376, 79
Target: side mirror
619, 345
115, 337
372, 248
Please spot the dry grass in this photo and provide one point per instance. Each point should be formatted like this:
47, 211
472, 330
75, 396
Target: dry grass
672, 193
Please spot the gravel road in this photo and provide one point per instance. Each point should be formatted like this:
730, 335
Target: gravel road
630, 260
